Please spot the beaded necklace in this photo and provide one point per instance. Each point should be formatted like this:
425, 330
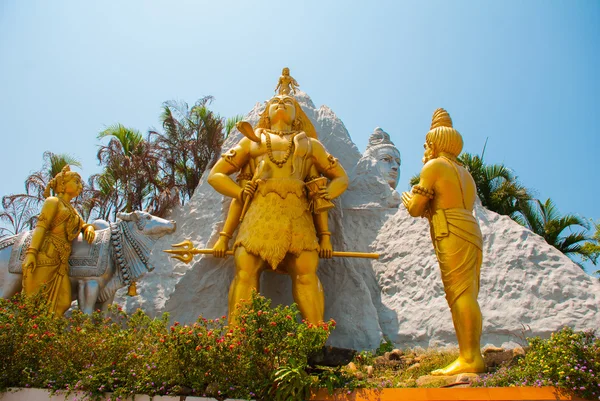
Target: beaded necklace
288, 153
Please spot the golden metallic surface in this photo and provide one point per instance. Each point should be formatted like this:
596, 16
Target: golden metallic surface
187, 252
286, 84
278, 230
46, 264
132, 290
445, 195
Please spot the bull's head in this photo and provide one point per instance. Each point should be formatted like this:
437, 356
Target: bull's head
149, 225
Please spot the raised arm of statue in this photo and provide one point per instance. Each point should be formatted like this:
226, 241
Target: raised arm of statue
329, 166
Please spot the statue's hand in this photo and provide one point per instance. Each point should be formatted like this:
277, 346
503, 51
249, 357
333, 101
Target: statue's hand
325, 248
89, 234
323, 193
406, 198
248, 190
220, 248
29, 263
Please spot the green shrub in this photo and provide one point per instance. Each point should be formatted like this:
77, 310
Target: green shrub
568, 360
123, 354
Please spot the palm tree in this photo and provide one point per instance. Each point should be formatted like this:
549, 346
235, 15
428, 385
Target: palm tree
130, 165
190, 143
545, 220
497, 187
20, 211
591, 249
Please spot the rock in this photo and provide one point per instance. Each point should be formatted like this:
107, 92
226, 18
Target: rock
413, 367
435, 381
395, 355
370, 371
497, 358
407, 360
466, 377
381, 360
359, 375
524, 281
490, 349
351, 367
332, 356
419, 358
518, 351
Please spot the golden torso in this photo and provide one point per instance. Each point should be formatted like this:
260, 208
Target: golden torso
279, 148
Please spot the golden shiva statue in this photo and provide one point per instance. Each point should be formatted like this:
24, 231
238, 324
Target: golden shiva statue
281, 200
46, 263
445, 195
286, 84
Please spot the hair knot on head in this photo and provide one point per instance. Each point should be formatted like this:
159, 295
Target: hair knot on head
442, 134
440, 118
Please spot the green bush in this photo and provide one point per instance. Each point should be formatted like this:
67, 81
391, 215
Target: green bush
123, 354
569, 360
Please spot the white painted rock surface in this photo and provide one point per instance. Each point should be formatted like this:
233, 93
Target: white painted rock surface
524, 281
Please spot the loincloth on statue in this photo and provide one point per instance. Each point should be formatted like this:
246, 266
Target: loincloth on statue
278, 222
458, 245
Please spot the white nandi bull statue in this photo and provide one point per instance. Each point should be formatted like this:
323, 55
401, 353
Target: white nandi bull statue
118, 255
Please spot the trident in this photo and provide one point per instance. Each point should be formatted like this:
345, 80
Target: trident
186, 252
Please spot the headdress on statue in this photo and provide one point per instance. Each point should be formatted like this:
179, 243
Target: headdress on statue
57, 184
379, 139
301, 122
442, 135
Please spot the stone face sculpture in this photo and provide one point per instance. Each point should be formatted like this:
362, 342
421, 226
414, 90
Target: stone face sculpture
45, 264
446, 195
381, 158
280, 229
117, 255
375, 176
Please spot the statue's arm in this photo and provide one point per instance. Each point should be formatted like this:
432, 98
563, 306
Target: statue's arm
233, 216
329, 166
49, 209
417, 200
230, 162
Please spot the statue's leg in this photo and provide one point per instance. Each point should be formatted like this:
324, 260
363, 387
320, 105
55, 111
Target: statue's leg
63, 297
12, 285
103, 306
247, 278
466, 316
87, 295
306, 287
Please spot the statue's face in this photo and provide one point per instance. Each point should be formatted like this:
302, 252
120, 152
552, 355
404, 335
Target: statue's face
286, 71
388, 165
429, 152
74, 186
282, 108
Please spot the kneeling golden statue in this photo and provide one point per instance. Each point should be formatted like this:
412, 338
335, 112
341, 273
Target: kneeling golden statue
445, 195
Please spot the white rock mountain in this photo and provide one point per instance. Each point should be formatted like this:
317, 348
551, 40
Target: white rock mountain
525, 283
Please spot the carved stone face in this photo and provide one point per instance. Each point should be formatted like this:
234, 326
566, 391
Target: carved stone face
282, 108
388, 165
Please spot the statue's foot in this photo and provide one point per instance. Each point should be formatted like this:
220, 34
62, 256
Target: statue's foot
461, 366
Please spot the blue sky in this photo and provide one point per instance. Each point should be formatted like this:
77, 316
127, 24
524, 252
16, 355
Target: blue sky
522, 74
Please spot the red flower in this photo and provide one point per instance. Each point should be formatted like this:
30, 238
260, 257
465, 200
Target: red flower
35, 326
273, 324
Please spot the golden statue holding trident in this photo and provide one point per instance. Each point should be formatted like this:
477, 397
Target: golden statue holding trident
282, 228
445, 195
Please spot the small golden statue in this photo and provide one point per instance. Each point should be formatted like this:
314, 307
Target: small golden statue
286, 85
46, 264
283, 224
445, 195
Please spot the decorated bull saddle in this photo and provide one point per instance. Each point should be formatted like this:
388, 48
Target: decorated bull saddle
86, 260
